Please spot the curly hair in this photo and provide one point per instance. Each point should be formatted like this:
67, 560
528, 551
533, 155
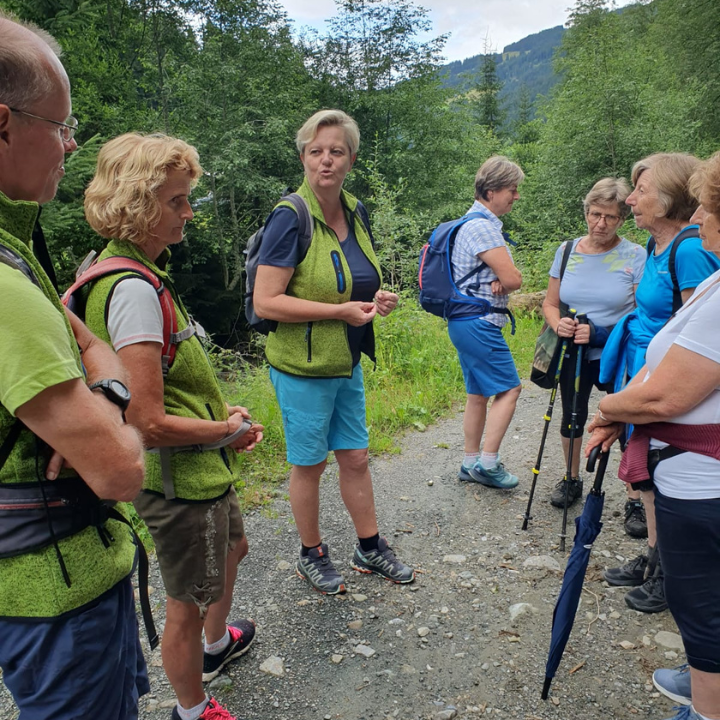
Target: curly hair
705, 184
121, 201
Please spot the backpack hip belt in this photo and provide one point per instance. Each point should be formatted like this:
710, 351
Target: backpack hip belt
37, 515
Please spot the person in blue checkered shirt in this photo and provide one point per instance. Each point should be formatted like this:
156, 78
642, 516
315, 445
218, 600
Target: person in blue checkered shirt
487, 365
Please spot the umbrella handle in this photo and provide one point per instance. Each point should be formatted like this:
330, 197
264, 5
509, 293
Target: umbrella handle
596, 453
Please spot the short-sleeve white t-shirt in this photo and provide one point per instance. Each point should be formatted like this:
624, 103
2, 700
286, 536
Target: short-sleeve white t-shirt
134, 314
695, 327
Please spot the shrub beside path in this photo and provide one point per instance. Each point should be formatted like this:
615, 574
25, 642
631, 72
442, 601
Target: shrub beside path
470, 637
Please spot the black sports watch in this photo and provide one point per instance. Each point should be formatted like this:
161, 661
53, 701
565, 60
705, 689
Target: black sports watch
115, 392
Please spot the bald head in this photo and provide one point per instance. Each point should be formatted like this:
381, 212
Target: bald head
30, 68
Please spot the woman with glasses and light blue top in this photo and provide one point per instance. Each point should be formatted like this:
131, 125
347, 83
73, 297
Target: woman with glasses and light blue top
601, 275
324, 303
487, 364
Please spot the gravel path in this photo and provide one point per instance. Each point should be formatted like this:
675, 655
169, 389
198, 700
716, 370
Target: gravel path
447, 644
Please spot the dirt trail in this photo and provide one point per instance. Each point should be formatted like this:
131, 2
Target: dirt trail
447, 644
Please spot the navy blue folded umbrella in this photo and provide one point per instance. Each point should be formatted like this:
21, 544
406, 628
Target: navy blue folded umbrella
587, 528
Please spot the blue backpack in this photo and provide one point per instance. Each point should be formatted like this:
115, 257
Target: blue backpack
439, 293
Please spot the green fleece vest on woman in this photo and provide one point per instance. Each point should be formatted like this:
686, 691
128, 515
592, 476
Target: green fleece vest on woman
321, 348
32, 585
191, 388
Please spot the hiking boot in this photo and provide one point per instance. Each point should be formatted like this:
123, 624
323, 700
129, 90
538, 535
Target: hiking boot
674, 684
382, 562
574, 489
317, 568
213, 711
648, 597
242, 634
686, 713
632, 573
465, 475
635, 520
497, 477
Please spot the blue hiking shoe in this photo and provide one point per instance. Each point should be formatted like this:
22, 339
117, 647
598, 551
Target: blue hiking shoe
497, 477
465, 475
674, 684
382, 562
686, 713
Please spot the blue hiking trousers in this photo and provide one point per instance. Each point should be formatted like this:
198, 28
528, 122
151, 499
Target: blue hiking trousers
86, 665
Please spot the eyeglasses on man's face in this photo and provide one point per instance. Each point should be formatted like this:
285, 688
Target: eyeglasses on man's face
67, 128
595, 217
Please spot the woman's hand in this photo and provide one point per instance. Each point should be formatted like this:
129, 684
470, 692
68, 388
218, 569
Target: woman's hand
357, 313
237, 410
498, 288
386, 302
247, 441
582, 333
604, 435
598, 421
566, 327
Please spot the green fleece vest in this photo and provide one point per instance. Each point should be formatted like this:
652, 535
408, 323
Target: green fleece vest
320, 348
31, 585
191, 388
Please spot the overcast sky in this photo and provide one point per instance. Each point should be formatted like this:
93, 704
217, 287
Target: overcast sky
469, 21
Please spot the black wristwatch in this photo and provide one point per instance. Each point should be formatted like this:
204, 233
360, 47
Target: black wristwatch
114, 391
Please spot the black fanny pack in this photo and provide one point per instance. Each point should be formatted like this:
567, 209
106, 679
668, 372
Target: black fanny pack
34, 516
37, 515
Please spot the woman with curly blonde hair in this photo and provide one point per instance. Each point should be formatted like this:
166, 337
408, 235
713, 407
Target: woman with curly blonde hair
139, 200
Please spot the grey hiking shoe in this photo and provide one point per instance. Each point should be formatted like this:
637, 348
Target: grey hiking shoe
382, 562
674, 684
632, 573
317, 568
574, 490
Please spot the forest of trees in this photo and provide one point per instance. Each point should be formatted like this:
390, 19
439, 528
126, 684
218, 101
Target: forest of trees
230, 77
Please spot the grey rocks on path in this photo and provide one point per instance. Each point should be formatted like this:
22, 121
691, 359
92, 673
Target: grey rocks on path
470, 637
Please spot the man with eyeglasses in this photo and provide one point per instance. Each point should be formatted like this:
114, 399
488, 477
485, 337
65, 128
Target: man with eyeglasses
69, 644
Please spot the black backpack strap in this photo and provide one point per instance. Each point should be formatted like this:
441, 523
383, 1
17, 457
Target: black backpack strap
306, 226
567, 252
688, 232
362, 213
10, 440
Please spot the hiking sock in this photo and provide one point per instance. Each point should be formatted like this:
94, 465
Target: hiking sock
193, 713
489, 460
306, 550
702, 717
217, 647
471, 459
371, 543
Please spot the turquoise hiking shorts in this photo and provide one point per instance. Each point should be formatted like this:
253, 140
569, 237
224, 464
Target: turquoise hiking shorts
321, 414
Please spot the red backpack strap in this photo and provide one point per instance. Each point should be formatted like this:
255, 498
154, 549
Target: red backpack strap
118, 264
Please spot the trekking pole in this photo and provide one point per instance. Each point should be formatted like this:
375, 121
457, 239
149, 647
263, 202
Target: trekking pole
547, 417
582, 320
